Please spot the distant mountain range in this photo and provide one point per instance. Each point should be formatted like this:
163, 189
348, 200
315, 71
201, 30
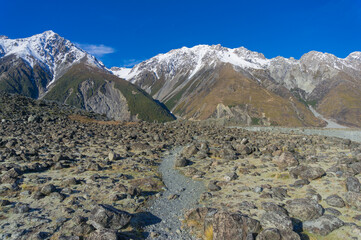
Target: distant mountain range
237, 84
50, 67
199, 83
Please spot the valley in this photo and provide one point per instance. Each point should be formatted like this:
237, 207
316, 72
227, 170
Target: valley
70, 174
201, 143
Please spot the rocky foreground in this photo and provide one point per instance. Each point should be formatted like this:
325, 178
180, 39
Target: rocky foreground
69, 174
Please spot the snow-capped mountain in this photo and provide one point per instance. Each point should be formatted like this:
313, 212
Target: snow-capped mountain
172, 77
289, 71
51, 67
48, 50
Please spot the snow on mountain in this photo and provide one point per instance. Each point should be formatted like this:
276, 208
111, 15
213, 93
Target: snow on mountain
195, 58
120, 72
49, 50
288, 71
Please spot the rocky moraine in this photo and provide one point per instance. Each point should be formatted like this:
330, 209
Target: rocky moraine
71, 174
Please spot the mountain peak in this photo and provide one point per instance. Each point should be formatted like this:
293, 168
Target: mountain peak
50, 51
354, 56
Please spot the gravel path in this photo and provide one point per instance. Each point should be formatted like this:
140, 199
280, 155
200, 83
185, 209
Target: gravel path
170, 211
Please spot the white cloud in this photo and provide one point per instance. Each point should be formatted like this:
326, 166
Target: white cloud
131, 62
96, 50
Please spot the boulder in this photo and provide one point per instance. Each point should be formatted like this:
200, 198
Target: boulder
353, 199
181, 162
335, 201
276, 234
304, 209
234, 226
106, 216
323, 225
277, 220
286, 159
190, 151
104, 234
307, 172
270, 206
48, 189
212, 186
353, 184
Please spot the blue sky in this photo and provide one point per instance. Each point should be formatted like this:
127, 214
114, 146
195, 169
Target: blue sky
122, 33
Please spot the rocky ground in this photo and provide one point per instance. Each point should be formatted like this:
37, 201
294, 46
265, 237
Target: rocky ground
68, 174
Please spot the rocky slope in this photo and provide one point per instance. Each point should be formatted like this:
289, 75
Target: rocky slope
179, 76
49, 66
70, 174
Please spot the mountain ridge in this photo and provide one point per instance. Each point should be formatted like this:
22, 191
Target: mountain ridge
310, 79
49, 66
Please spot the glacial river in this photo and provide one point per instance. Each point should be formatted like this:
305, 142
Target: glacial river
346, 133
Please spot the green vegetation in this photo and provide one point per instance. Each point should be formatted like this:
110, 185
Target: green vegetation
255, 121
312, 103
139, 102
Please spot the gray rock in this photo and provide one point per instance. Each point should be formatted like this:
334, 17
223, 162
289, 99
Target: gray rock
353, 184
270, 206
4, 202
333, 211
354, 199
47, 189
276, 234
304, 209
181, 162
230, 176
106, 216
300, 183
286, 159
213, 187
277, 220
258, 189
104, 234
307, 172
113, 156
234, 226
335, 201
21, 208
323, 225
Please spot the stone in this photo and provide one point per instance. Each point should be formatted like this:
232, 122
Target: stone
335, 201
276, 234
304, 209
277, 220
234, 226
279, 192
333, 211
286, 159
21, 208
4, 202
189, 151
104, 234
354, 199
270, 206
106, 216
353, 184
113, 156
181, 162
212, 186
323, 225
307, 172
47, 189
230, 176
300, 183
258, 189
173, 196
269, 234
